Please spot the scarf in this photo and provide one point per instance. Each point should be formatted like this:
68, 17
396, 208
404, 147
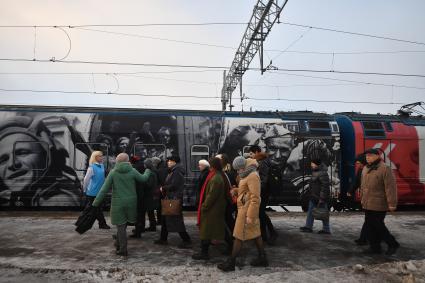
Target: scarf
201, 197
374, 165
248, 170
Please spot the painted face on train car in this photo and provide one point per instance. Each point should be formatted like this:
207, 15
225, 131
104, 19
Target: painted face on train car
164, 135
22, 161
122, 144
279, 149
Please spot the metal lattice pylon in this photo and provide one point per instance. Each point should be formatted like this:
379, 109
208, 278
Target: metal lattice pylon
259, 26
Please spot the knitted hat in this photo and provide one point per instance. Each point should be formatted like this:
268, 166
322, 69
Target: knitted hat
148, 163
156, 161
239, 163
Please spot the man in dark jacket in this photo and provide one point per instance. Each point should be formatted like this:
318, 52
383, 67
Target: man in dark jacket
319, 195
379, 195
145, 191
264, 165
173, 189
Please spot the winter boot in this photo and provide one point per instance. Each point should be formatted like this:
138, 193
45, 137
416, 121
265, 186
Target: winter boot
203, 255
261, 260
228, 265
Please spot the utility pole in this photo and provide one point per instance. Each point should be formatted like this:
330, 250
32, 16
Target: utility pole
265, 14
223, 94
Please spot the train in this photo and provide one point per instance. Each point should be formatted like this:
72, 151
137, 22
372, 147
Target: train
44, 150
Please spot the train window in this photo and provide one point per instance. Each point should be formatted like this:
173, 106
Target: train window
373, 129
319, 127
388, 127
81, 157
198, 152
150, 150
303, 126
30, 155
335, 128
318, 124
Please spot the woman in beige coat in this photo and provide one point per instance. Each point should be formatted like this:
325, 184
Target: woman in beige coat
247, 225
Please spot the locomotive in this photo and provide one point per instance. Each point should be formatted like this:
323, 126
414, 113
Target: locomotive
44, 150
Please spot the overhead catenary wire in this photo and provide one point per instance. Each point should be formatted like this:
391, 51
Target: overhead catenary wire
234, 48
325, 101
134, 75
200, 97
348, 81
213, 24
355, 33
158, 38
115, 93
126, 25
204, 67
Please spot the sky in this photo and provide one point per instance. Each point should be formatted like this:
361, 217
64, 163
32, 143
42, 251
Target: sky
212, 45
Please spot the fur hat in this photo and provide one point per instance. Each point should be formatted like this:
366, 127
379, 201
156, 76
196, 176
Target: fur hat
174, 158
239, 163
372, 151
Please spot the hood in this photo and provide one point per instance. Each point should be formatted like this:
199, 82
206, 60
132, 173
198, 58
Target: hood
251, 162
123, 167
261, 156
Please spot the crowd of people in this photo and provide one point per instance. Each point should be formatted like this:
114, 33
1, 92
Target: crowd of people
232, 201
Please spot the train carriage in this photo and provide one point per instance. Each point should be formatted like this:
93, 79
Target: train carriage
44, 150
401, 141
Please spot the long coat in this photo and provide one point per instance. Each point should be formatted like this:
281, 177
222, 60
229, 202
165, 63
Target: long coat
212, 225
249, 199
149, 186
122, 179
320, 184
378, 188
173, 189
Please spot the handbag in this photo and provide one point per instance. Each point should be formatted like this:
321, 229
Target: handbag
171, 207
320, 213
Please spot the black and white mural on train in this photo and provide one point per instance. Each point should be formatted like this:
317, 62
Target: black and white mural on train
35, 159
290, 148
44, 156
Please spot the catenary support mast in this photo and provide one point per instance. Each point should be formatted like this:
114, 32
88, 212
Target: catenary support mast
265, 14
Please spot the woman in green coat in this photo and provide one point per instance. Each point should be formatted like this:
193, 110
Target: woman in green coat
212, 208
122, 179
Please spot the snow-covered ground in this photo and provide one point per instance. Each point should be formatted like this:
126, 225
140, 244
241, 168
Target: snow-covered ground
43, 247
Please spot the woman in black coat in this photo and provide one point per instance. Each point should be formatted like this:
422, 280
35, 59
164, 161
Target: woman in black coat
173, 189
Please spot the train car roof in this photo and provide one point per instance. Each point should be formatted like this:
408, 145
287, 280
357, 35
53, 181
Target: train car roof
294, 115
408, 120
